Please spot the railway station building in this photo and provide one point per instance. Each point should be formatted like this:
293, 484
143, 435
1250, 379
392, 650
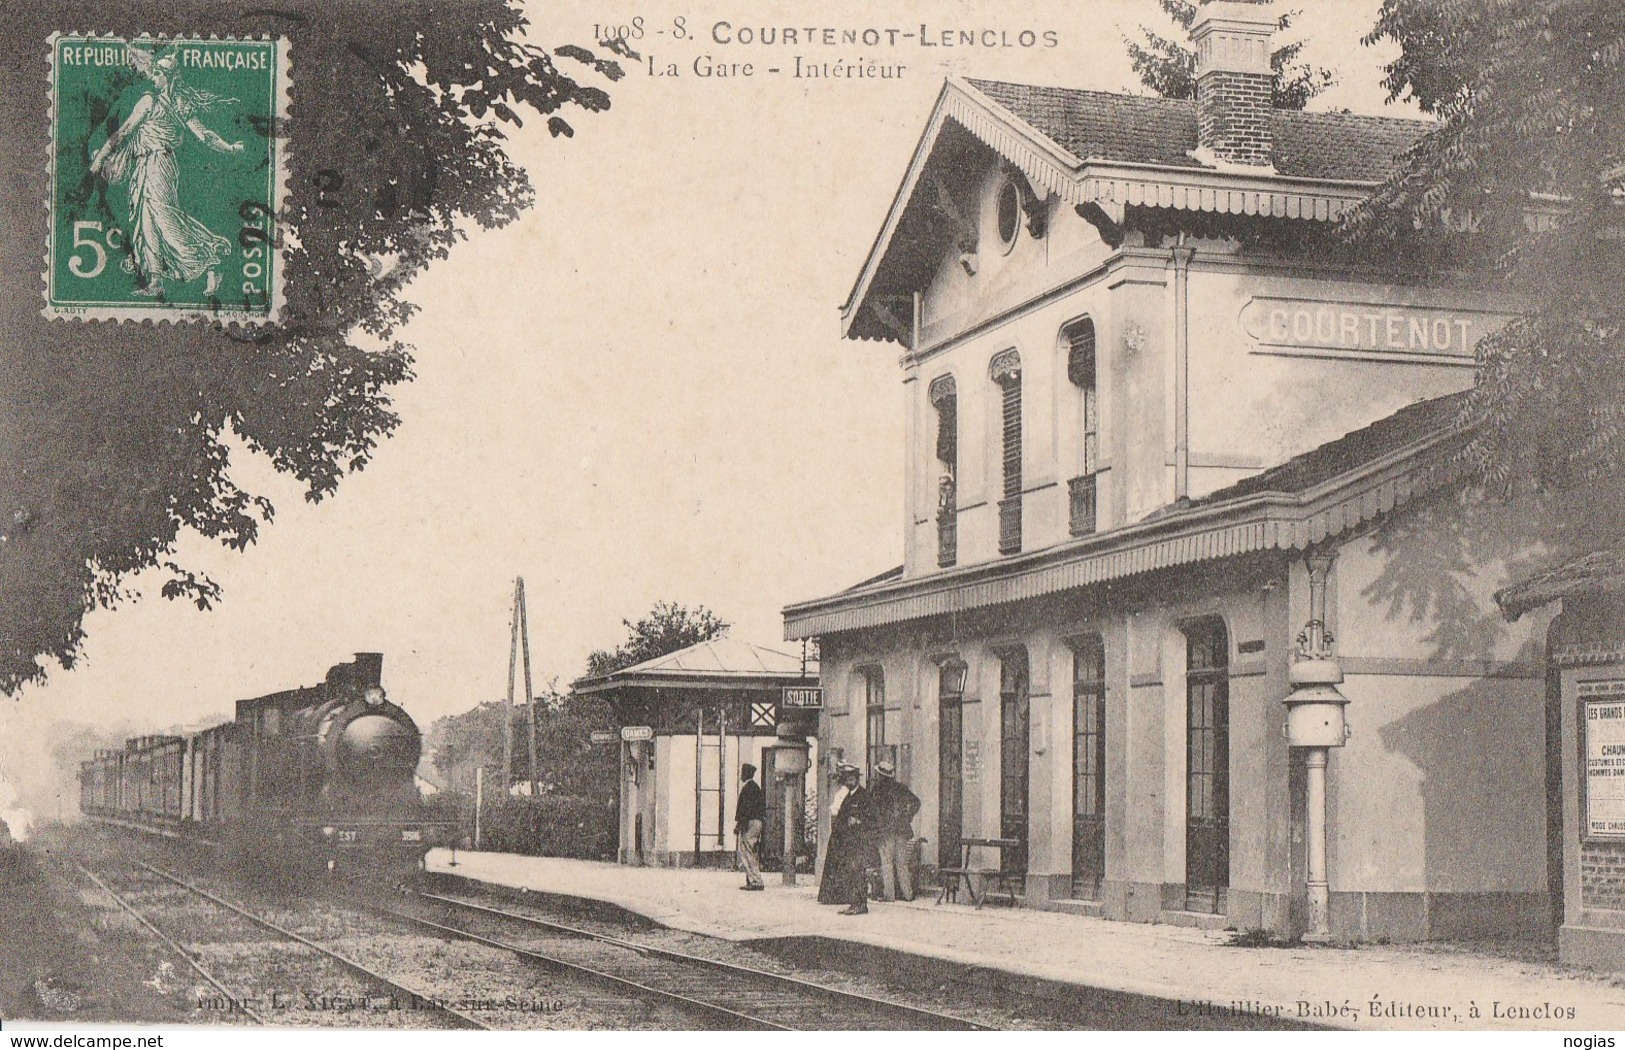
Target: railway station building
1156, 424
688, 721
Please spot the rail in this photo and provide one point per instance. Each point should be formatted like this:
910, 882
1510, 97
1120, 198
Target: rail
915, 1018
168, 941
684, 1001
366, 971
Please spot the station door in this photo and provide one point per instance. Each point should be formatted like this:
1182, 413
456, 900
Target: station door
1207, 766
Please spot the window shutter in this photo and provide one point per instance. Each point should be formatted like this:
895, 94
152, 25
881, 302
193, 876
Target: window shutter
1012, 437
1080, 358
948, 431
1005, 369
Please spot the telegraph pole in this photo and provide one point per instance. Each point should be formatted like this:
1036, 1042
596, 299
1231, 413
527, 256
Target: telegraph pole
522, 627
507, 711
519, 650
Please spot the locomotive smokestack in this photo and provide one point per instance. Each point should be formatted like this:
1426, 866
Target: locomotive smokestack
369, 669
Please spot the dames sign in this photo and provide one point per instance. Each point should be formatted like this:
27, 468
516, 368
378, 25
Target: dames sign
167, 168
1367, 329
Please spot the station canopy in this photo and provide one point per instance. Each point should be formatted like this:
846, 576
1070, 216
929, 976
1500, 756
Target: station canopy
722, 663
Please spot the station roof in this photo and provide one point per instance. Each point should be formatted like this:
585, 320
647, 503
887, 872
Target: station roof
720, 663
1315, 496
1135, 129
1111, 151
1347, 453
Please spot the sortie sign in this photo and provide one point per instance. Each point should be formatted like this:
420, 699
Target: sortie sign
802, 697
1367, 329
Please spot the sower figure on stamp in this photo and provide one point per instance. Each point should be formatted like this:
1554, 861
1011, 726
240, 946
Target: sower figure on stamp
750, 816
165, 241
894, 806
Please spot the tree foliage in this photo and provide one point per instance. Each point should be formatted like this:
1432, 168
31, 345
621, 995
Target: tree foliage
1529, 157
667, 628
462, 743
115, 437
567, 762
1168, 68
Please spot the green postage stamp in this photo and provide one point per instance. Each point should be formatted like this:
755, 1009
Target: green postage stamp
168, 160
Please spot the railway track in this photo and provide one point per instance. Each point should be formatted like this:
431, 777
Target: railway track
731, 995
242, 997
169, 942
710, 993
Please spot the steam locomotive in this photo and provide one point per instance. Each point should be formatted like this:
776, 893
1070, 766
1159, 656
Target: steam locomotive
314, 778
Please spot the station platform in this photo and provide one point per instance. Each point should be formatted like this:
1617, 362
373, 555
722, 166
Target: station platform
1371, 987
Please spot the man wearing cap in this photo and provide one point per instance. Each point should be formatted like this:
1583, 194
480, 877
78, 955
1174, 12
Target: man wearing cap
894, 807
750, 815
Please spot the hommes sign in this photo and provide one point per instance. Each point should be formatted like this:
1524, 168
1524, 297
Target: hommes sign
1368, 330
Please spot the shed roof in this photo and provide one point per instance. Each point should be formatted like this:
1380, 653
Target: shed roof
721, 661
1601, 571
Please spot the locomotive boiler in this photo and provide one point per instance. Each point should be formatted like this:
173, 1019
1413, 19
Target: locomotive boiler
318, 777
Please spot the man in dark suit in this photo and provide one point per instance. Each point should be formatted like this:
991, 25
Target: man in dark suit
750, 816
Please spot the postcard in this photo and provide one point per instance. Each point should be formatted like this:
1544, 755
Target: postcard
782, 516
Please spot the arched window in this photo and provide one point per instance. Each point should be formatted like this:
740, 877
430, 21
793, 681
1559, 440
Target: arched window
1006, 372
945, 399
1079, 338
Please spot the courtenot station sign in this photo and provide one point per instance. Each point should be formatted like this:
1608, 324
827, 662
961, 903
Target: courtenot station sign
1323, 328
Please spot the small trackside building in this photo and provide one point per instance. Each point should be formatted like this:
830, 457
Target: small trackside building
1144, 391
688, 721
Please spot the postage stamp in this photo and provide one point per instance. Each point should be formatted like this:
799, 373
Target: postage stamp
167, 166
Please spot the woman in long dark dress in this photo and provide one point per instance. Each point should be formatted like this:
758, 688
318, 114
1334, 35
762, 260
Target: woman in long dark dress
835, 885
852, 843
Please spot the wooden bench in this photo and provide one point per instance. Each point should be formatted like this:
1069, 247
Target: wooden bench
978, 881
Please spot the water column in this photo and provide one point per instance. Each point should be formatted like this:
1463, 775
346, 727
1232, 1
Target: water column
1315, 722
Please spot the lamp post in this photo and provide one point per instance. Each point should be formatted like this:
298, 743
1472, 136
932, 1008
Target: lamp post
790, 763
1315, 722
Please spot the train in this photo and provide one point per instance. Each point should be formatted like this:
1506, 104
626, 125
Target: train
314, 779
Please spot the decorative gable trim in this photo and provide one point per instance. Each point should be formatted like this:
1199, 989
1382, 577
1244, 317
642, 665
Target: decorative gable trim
1053, 171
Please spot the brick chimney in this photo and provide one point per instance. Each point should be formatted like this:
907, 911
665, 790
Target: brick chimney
1234, 83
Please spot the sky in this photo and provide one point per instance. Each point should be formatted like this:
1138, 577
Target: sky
636, 392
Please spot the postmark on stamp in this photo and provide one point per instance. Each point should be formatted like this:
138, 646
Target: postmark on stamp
168, 158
